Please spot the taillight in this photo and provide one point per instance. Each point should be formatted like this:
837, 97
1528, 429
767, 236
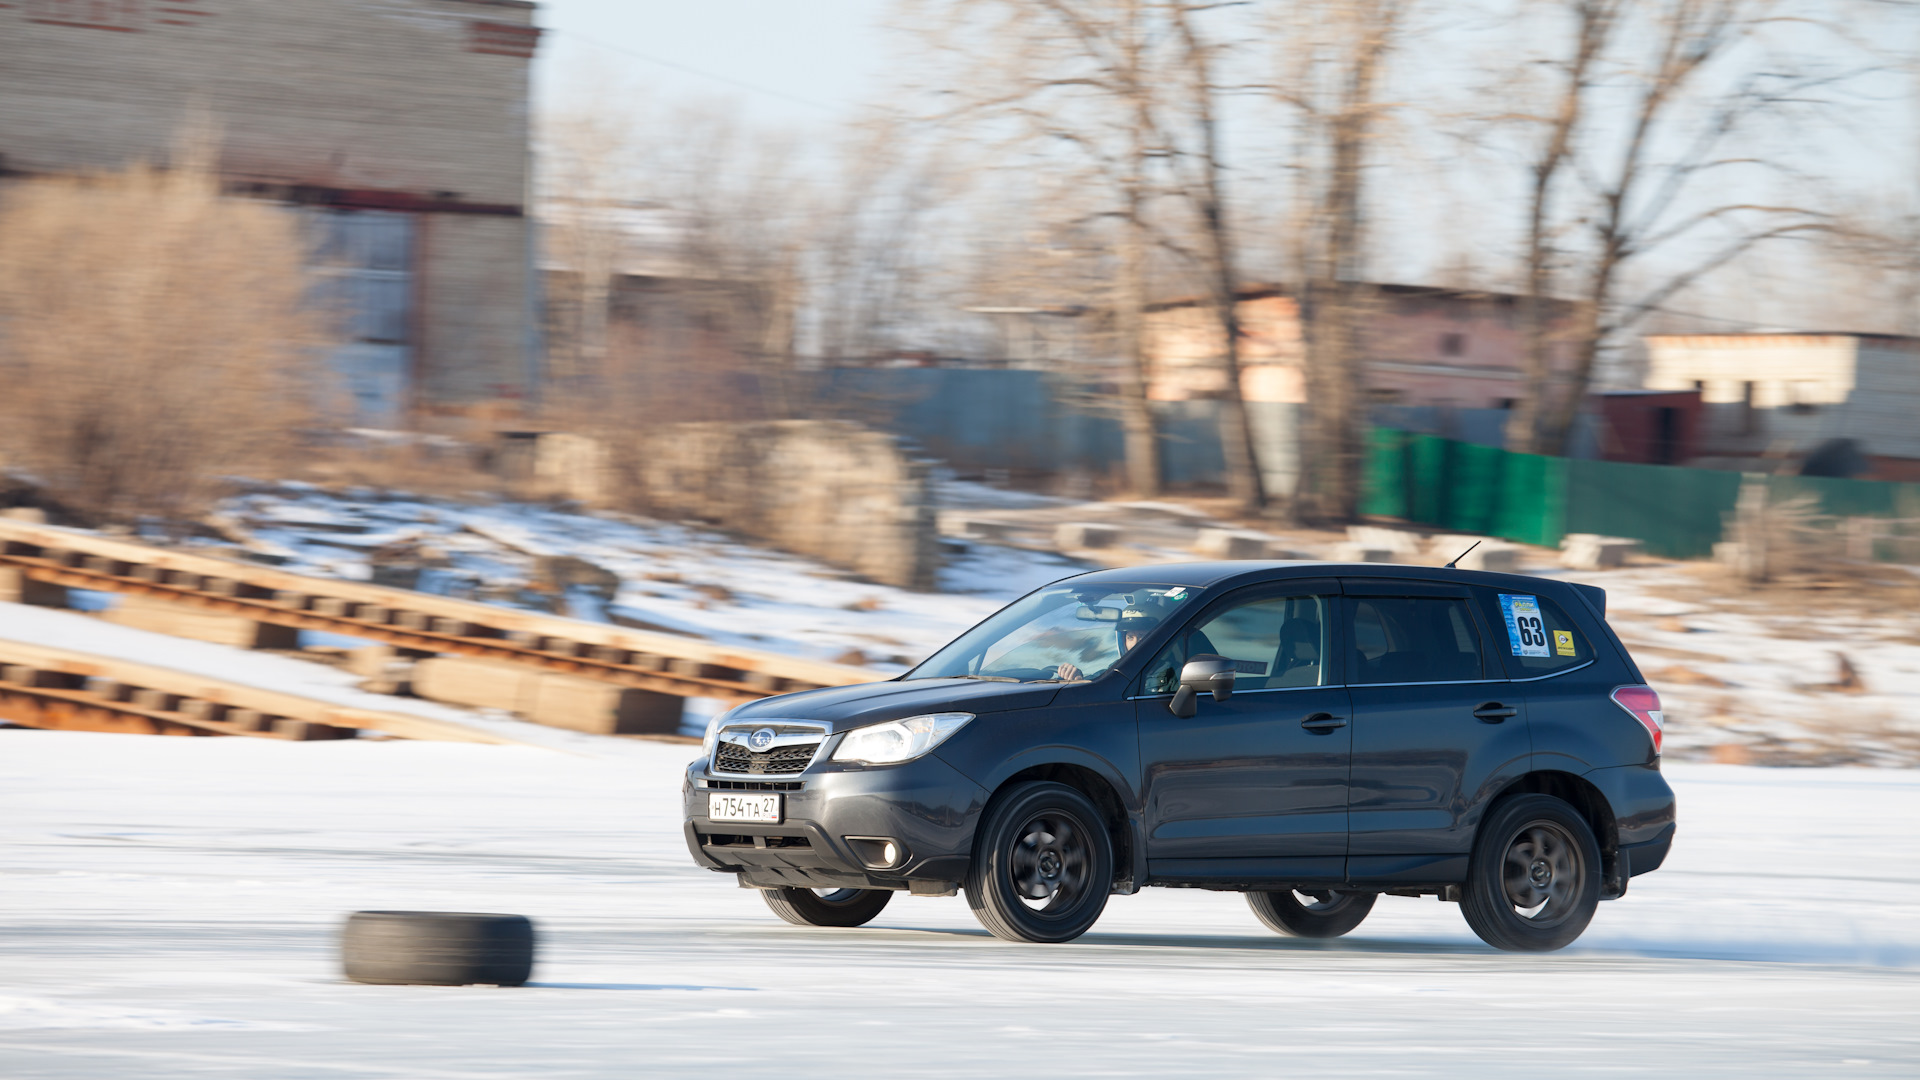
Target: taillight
1644, 704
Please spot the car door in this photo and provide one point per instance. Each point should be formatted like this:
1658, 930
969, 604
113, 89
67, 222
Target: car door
1254, 787
1436, 727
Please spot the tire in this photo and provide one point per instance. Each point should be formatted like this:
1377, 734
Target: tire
1533, 882
1042, 864
1323, 913
839, 907
437, 948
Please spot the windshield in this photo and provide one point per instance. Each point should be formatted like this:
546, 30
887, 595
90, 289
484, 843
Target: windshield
1064, 633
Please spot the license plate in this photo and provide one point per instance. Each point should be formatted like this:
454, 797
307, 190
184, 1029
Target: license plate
763, 808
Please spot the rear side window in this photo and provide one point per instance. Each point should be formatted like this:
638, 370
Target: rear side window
1540, 639
1275, 642
1408, 639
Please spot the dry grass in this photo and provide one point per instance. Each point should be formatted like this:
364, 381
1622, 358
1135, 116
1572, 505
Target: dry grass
153, 338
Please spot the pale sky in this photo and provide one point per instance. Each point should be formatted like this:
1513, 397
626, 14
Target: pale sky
801, 61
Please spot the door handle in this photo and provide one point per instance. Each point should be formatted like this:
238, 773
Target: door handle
1321, 723
1493, 712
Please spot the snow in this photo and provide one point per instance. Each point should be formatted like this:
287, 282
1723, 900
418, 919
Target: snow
673, 577
170, 906
58, 629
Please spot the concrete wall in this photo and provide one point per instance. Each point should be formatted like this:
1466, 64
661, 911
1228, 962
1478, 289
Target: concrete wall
1767, 392
417, 106
834, 490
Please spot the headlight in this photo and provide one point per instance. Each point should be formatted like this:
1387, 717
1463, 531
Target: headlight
899, 740
712, 738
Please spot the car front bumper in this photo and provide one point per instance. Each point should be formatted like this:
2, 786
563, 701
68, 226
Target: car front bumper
925, 807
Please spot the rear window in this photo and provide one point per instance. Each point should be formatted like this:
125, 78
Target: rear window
1409, 639
1540, 639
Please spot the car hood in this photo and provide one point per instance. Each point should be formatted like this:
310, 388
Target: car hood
871, 703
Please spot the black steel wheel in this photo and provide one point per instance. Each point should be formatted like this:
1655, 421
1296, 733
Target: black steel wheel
1534, 880
1314, 913
1042, 864
827, 907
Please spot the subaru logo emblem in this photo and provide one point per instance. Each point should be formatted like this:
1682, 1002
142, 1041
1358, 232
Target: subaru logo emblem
760, 740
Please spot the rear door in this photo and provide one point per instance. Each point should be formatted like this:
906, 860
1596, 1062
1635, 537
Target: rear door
1436, 727
1254, 787
1568, 685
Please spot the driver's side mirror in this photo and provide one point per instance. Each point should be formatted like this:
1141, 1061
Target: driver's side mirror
1205, 673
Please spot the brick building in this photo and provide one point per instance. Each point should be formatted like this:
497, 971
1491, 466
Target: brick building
1422, 346
398, 126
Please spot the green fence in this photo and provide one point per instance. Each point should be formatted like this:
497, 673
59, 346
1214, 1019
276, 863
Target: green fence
1676, 512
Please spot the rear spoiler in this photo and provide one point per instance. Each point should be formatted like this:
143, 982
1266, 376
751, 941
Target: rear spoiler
1595, 595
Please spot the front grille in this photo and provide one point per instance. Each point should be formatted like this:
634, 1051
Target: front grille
756, 785
734, 758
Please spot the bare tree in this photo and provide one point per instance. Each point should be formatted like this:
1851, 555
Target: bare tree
589, 164
1085, 75
1206, 189
1332, 66
1693, 79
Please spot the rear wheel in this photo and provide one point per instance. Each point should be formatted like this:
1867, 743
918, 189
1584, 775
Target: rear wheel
1311, 913
1534, 879
827, 907
1042, 866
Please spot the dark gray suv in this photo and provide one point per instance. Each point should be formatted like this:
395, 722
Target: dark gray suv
1313, 735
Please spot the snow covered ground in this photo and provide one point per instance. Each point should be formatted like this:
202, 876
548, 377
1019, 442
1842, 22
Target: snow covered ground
1743, 674
168, 908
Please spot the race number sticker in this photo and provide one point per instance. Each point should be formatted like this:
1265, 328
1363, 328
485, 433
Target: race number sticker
1525, 628
1563, 643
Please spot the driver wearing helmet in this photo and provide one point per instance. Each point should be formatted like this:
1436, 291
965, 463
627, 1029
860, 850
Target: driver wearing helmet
1132, 626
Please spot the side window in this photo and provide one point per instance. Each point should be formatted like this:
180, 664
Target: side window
1540, 638
1274, 642
1407, 639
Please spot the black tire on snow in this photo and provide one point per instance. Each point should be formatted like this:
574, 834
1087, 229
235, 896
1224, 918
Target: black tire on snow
1330, 915
1538, 849
1043, 844
842, 907
437, 948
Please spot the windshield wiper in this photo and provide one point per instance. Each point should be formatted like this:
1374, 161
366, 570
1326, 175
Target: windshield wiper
986, 678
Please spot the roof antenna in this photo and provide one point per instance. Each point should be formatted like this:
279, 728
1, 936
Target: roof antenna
1462, 555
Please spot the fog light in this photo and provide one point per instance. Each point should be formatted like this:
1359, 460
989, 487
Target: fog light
878, 852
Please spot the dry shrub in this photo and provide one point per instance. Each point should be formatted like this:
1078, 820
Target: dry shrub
152, 334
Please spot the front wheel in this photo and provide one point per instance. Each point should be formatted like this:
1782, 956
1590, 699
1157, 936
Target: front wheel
827, 907
1042, 866
1312, 913
1534, 880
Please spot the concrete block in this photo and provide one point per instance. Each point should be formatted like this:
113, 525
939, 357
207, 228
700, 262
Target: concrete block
249, 720
371, 661
1231, 544
179, 620
569, 701
333, 606
1359, 553
1588, 551
111, 689
17, 588
1077, 535
458, 680
453, 627
1398, 541
157, 700
25, 675
203, 710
